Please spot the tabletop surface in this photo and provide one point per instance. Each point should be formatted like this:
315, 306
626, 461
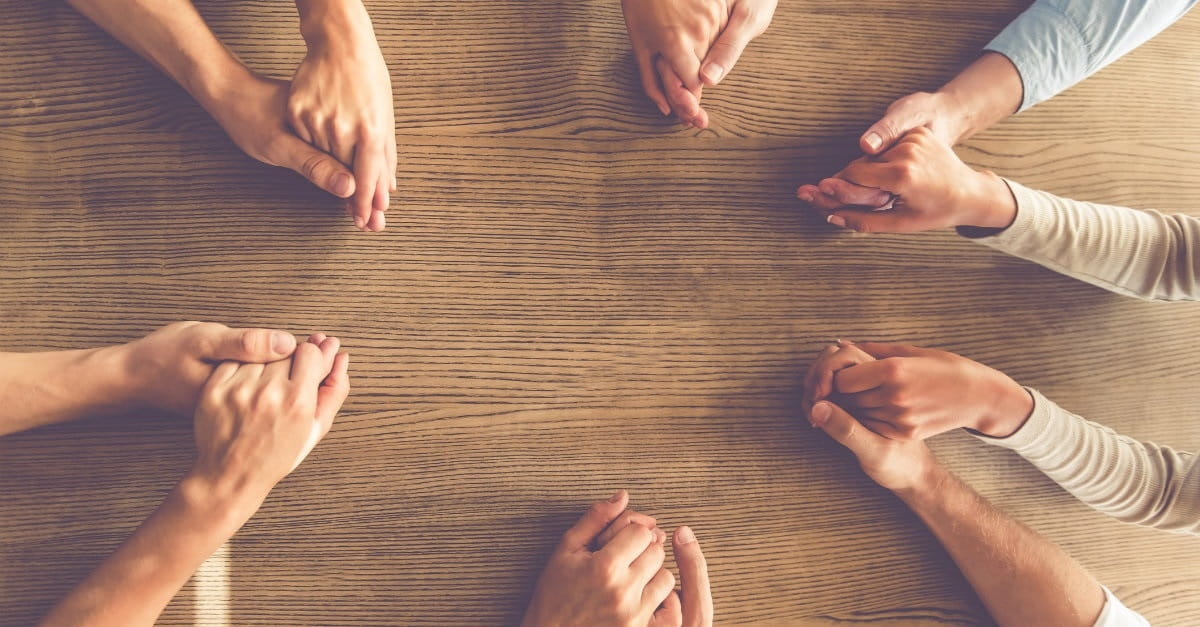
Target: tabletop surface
573, 295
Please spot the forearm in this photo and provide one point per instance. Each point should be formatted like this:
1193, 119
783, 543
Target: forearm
1138, 482
1021, 577
1144, 254
172, 36
136, 582
37, 389
984, 93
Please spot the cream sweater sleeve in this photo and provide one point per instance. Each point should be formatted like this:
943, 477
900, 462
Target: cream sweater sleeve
1145, 254
1137, 482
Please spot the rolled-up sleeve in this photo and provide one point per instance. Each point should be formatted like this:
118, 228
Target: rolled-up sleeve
1057, 43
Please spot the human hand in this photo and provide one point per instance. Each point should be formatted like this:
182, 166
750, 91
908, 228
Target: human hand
341, 103
682, 45
252, 110
168, 368
622, 583
255, 423
909, 393
928, 186
897, 465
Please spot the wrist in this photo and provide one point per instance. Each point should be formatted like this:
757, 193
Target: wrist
220, 499
985, 92
338, 23
925, 484
112, 365
989, 202
1009, 406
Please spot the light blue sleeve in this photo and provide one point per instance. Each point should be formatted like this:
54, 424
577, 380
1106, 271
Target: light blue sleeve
1057, 43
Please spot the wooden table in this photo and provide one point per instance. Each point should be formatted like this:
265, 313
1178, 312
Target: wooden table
573, 295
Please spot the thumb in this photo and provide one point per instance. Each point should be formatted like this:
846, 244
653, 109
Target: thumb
320, 168
882, 350
254, 346
843, 427
727, 49
899, 120
866, 221
593, 522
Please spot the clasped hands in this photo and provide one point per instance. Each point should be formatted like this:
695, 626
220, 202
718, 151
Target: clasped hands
681, 46
882, 400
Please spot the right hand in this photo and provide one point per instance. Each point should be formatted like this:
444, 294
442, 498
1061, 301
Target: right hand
256, 423
622, 582
254, 114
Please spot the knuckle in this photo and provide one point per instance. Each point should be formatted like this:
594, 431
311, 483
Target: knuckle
311, 167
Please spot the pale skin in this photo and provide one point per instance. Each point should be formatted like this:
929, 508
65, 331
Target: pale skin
984, 93
254, 424
1022, 578
607, 571
681, 46
333, 123
909, 393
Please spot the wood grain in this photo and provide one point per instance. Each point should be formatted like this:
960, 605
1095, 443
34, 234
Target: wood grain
574, 295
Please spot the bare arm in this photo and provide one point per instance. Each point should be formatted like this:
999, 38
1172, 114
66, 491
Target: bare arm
165, 370
254, 425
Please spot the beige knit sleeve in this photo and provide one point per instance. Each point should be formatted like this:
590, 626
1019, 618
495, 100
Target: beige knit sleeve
1145, 254
1137, 482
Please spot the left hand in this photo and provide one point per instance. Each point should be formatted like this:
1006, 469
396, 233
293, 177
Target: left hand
168, 368
928, 186
682, 45
910, 393
893, 464
620, 584
341, 103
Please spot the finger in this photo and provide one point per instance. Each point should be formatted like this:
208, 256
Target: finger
843, 428
317, 338
884, 175
650, 562
814, 371
865, 376
818, 199
247, 374
843, 357
625, 519
311, 363
220, 376
320, 168
898, 121
683, 102
650, 83
877, 398
220, 343
881, 350
368, 165
391, 159
850, 194
629, 543
684, 64
660, 586
727, 49
670, 614
377, 222
277, 371
693, 573
593, 522
333, 391
868, 221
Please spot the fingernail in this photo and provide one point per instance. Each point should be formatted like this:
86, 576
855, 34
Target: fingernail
282, 343
660, 536
836, 220
359, 222
874, 141
616, 497
341, 184
805, 196
666, 111
685, 535
713, 72
820, 414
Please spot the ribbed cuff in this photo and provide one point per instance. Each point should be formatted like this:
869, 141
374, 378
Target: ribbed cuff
1035, 430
